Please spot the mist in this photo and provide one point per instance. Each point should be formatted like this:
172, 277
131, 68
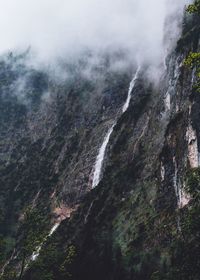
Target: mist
57, 29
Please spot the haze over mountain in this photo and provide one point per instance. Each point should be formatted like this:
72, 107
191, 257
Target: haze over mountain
63, 28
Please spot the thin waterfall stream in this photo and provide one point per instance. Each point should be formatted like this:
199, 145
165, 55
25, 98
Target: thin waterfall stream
38, 249
102, 150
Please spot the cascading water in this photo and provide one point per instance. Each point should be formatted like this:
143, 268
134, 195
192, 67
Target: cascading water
100, 158
172, 84
132, 84
37, 252
102, 150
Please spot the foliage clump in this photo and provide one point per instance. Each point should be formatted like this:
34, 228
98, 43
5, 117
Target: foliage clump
67, 265
193, 59
194, 8
33, 231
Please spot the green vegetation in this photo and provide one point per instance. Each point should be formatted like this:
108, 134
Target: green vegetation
194, 8
193, 59
193, 182
2, 249
33, 231
55, 264
6, 246
67, 265
9, 275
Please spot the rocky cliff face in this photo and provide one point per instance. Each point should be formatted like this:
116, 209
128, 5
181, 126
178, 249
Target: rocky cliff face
50, 135
142, 220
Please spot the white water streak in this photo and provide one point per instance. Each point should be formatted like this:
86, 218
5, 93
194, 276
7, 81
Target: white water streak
182, 197
100, 158
172, 85
132, 84
102, 151
38, 249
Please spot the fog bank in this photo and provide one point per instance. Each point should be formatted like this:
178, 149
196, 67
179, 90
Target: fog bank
64, 28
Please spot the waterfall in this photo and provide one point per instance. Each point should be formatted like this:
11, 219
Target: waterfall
132, 84
38, 249
172, 85
182, 197
102, 150
100, 158
175, 181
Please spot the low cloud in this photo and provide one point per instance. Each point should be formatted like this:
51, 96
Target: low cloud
62, 29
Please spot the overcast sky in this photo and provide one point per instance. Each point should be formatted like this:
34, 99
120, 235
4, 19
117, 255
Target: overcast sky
61, 27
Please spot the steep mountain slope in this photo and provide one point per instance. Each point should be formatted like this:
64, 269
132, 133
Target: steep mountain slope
47, 155
141, 220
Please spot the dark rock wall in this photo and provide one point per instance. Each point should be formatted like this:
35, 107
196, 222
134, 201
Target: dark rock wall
50, 135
